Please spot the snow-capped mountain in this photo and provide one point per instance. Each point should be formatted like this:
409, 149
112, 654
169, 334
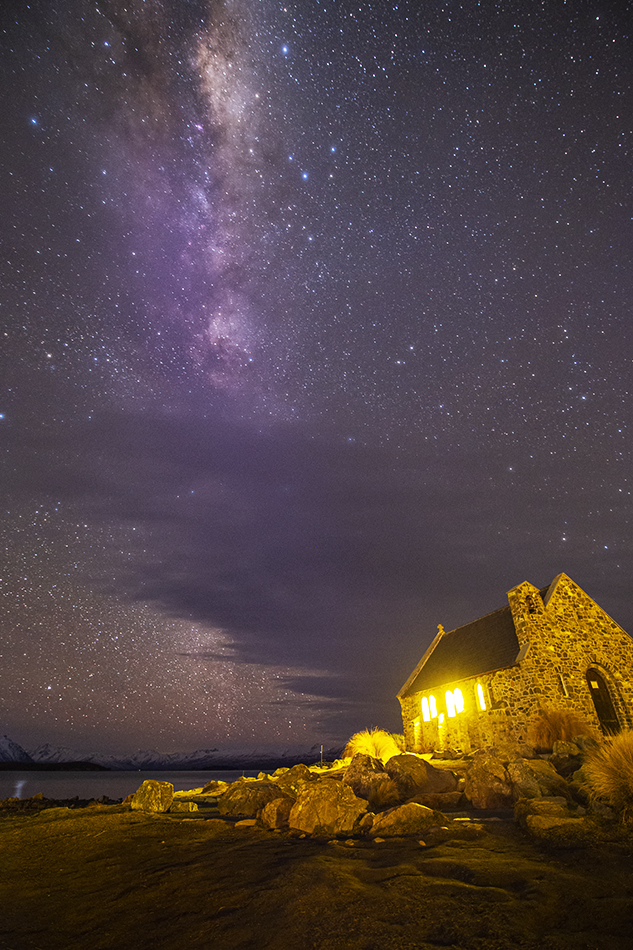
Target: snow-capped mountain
51, 754
145, 759
10, 751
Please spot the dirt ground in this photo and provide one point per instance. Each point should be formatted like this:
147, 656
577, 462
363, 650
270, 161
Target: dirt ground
105, 878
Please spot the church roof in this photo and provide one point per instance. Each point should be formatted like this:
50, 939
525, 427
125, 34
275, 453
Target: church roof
481, 646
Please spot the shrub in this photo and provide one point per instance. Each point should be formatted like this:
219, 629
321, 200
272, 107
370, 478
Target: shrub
554, 725
375, 742
609, 772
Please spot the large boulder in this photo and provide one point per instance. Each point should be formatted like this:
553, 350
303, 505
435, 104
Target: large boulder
409, 819
524, 781
368, 779
442, 801
246, 799
177, 806
554, 807
562, 832
214, 788
275, 814
414, 777
291, 781
487, 782
539, 772
153, 796
327, 808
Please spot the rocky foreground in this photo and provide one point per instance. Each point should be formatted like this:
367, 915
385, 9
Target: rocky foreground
483, 853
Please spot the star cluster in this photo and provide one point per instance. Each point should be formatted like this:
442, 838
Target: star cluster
315, 335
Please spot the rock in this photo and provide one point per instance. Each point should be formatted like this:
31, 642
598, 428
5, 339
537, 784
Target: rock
409, 819
442, 801
368, 779
294, 779
182, 807
215, 788
327, 808
553, 807
153, 796
565, 765
561, 832
601, 809
561, 747
246, 823
276, 813
246, 799
524, 781
413, 776
487, 782
549, 781
586, 743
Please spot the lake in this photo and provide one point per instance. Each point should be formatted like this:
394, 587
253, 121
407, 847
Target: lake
95, 784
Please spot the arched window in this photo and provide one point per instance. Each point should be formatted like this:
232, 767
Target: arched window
426, 712
481, 700
458, 700
433, 707
450, 704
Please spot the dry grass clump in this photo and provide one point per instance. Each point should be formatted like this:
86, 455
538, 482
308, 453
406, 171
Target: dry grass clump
556, 725
609, 772
375, 742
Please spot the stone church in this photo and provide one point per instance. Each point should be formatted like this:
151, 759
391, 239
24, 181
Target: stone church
482, 684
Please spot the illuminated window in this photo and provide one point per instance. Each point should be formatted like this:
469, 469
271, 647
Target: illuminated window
417, 729
458, 699
426, 713
480, 697
432, 707
440, 719
450, 704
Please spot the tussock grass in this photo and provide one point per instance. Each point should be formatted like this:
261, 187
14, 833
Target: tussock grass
556, 725
609, 772
375, 742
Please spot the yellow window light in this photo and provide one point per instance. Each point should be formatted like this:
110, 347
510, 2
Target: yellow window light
450, 704
426, 712
480, 697
432, 707
458, 700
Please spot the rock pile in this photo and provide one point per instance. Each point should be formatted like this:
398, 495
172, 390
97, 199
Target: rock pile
407, 796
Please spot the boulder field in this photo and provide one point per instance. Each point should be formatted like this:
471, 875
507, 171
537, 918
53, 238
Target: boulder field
406, 796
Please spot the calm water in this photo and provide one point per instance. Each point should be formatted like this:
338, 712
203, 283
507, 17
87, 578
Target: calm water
96, 784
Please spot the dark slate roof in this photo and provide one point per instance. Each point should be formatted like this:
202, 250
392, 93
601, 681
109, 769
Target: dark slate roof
487, 644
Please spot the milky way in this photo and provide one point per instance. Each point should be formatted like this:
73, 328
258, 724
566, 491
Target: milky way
316, 336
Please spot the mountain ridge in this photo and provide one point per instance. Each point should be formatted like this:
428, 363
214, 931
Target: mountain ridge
144, 759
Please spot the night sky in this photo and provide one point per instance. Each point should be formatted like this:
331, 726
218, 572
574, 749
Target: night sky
317, 334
